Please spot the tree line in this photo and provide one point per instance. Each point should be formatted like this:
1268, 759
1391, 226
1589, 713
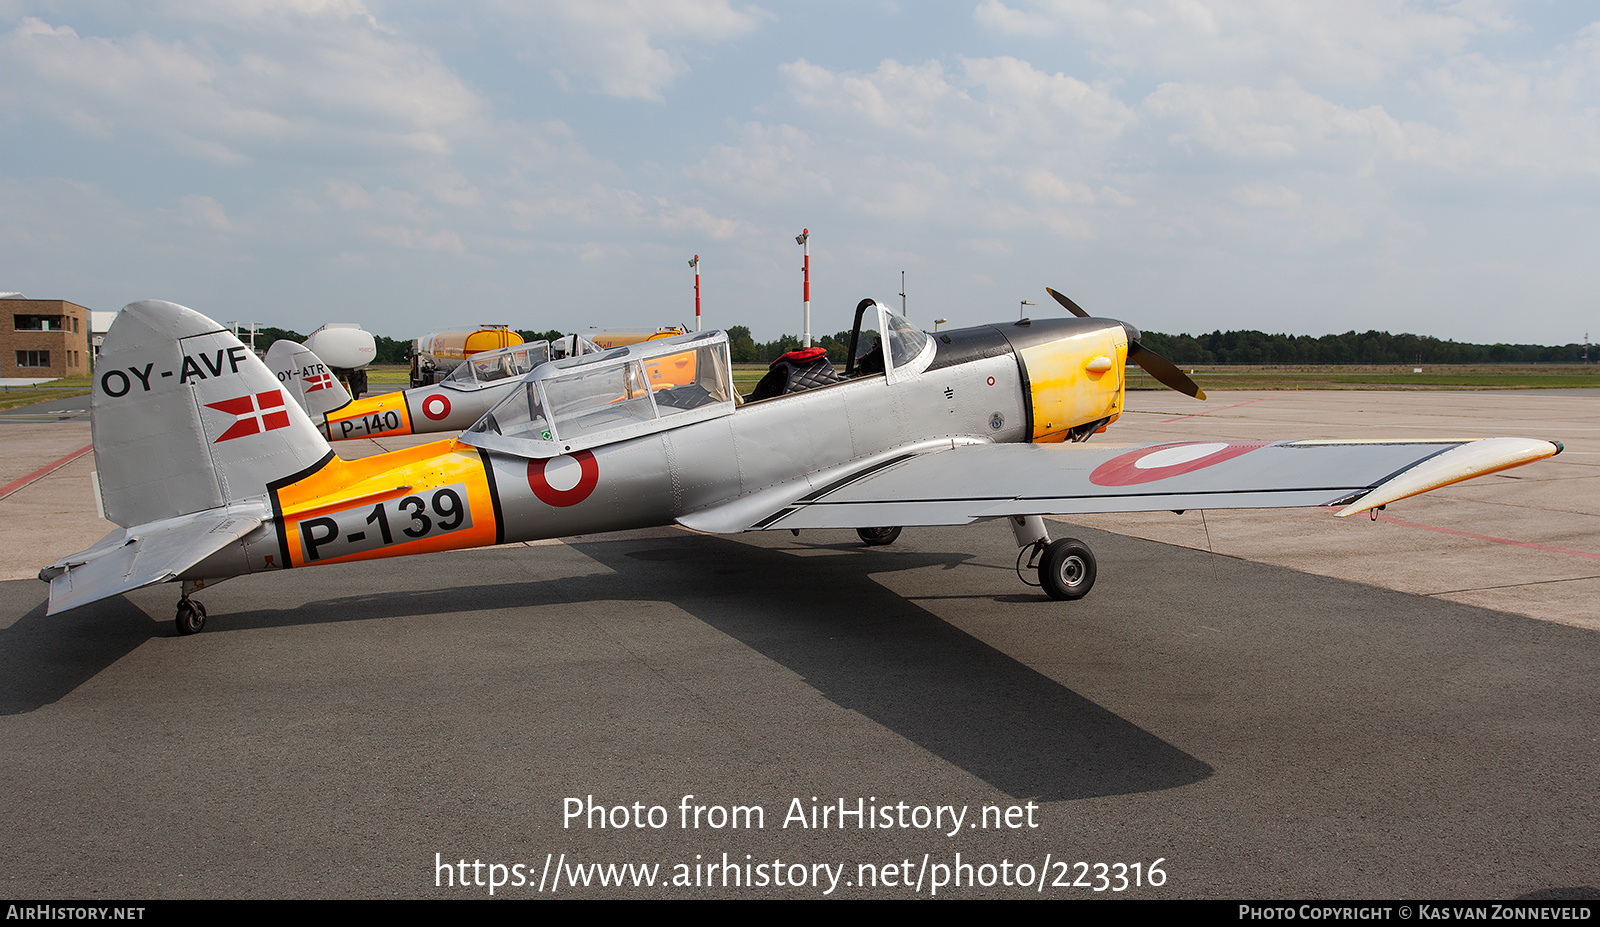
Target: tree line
1371, 347
1219, 347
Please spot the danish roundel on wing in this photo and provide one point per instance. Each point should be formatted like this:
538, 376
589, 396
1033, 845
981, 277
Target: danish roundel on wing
436, 407
1148, 464
565, 480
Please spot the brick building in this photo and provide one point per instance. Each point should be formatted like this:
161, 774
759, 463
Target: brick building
43, 338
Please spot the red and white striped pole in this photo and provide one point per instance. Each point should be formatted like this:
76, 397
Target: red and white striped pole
696, 265
804, 240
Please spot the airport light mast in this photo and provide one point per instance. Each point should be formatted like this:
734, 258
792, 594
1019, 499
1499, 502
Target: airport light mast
695, 263
804, 241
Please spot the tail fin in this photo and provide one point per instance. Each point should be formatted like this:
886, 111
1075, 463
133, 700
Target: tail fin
306, 379
186, 418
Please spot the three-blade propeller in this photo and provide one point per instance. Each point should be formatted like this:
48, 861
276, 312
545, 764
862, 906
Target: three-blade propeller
1153, 363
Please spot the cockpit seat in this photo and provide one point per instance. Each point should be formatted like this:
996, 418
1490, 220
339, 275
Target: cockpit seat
795, 371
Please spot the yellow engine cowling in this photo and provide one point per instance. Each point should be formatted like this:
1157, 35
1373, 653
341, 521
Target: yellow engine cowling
1075, 375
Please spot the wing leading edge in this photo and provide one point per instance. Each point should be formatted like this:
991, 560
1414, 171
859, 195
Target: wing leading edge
965, 483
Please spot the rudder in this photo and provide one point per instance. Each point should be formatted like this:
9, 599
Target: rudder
186, 418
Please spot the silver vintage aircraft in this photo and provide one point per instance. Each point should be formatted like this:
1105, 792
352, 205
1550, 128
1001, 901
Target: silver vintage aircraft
213, 471
471, 389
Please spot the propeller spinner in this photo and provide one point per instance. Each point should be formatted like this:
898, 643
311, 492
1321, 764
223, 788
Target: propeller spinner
1152, 363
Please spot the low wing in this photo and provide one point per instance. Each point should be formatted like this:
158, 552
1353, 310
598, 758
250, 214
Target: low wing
129, 558
958, 484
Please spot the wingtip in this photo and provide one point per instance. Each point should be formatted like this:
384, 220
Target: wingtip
1468, 460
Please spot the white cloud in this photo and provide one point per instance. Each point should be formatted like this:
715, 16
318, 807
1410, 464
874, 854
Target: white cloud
196, 210
327, 77
1355, 42
635, 49
999, 18
373, 152
1046, 185
676, 218
1267, 196
1277, 122
990, 105
902, 98
766, 164
105, 88
416, 240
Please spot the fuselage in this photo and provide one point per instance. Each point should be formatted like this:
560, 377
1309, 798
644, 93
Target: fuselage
419, 410
1049, 380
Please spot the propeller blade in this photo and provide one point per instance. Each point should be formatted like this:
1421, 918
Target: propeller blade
1163, 370
1070, 306
1154, 364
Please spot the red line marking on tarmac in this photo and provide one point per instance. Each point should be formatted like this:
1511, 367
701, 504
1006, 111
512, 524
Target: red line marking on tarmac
1234, 406
43, 471
1485, 537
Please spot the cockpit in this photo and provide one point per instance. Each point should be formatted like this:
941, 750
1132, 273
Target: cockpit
574, 403
487, 368
592, 399
910, 351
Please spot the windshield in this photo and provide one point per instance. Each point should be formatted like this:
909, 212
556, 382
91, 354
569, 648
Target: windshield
491, 366
905, 340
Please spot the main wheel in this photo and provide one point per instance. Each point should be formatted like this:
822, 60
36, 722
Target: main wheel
191, 616
1067, 569
877, 537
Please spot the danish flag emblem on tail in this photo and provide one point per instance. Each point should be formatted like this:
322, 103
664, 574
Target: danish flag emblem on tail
322, 380
255, 413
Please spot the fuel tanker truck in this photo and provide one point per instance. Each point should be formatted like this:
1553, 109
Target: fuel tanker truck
347, 350
434, 356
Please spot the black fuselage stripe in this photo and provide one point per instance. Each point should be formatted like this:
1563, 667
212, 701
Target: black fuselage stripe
277, 507
775, 516
847, 480
494, 497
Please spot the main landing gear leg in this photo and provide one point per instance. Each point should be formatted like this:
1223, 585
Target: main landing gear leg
1066, 567
191, 616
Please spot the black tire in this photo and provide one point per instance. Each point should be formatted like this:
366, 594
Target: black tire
1067, 570
877, 537
191, 617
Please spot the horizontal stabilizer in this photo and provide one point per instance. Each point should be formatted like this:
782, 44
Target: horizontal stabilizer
129, 558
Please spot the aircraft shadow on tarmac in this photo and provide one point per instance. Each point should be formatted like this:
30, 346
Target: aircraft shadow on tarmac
860, 645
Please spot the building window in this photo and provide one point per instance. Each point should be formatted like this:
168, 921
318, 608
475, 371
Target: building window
39, 323
33, 358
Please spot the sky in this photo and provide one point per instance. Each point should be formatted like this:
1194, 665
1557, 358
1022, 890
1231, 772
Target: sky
1183, 165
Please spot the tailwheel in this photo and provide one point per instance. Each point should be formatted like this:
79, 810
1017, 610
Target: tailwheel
877, 537
1067, 569
191, 616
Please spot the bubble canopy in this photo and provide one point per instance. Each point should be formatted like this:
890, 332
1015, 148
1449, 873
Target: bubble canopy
486, 368
593, 399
